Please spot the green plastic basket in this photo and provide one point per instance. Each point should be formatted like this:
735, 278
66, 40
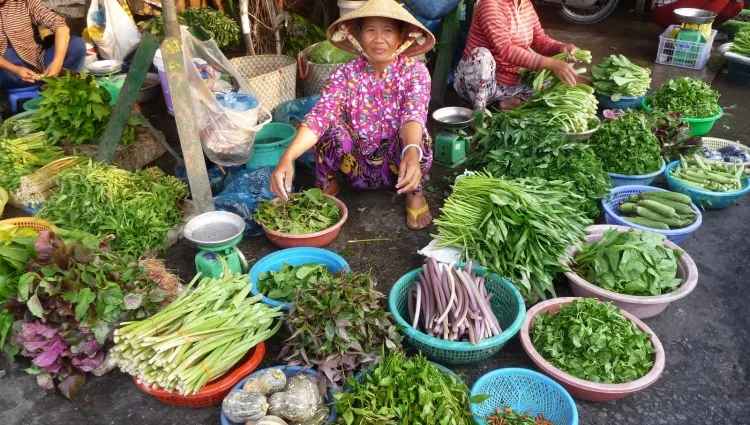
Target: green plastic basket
507, 305
732, 27
698, 126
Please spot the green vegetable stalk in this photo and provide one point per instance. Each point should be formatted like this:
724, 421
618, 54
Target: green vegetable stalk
24, 155
710, 175
689, 97
617, 76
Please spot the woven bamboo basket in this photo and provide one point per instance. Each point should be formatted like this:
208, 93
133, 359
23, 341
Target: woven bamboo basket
273, 78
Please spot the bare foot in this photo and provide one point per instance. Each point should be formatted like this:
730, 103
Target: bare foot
417, 212
509, 104
333, 188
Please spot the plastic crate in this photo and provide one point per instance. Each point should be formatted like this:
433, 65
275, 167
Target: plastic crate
692, 55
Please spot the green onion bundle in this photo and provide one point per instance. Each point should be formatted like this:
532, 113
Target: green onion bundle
198, 337
24, 155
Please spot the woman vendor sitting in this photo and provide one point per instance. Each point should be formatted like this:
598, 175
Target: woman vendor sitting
663, 10
369, 123
500, 38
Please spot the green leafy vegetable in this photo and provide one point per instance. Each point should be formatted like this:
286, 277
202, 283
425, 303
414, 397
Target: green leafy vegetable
401, 390
572, 109
593, 341
633, 263
617, 76
326, 53
537, 79
302, 33
305, 213
689, 97
627, 145
508, 417
282, 285
675, 136
741, 44
24, 155
223, 29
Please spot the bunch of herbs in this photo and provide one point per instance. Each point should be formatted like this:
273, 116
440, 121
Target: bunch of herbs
632, 263
617, 76
222, 28
625, 144
593, 341
689, 97
741, 43
281, 285
304, 213
339, 325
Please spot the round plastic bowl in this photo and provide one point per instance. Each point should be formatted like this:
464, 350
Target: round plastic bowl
294, 257
625, 102
579, 388
618, 194
585, 135
317, 239
507, 305
523, 391
698, 126
270, 143
213, 393
643, 179
289, 371
705, 198
641, 307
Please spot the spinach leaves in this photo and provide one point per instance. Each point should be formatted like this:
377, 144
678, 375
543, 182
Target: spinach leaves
305, 213
281, 285
689, 97
593, 341
617, 76
626, 144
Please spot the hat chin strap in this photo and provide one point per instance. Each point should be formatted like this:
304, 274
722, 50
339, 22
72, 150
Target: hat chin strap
343, 33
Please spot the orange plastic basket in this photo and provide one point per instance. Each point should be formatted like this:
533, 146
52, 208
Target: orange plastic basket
214, 393
31, 222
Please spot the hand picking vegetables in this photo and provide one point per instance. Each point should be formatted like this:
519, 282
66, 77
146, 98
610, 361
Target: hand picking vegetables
401, 390
537, 79
741, 43
282, 285
208, 329
689, 97
507, 416
24, 155
593, 341
304, 213
709, 175
617, 76
519, 229
342, 342
138, 208
625, 144
632, 263
659, 210
452, 304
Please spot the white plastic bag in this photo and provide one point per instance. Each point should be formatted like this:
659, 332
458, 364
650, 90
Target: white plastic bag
227, 135
120, 36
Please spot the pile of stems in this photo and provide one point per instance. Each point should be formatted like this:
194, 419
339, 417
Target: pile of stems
36, 187
24, 155
707, 174
197, 338
571, 108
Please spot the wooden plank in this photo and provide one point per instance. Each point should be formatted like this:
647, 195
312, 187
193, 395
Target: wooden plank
128, 96
447, 39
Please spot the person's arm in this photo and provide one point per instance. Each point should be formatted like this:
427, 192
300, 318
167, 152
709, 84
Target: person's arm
46, 18
62, 38
543, 43
413, 122
24, 74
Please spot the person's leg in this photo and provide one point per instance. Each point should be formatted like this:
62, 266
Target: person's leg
418, 214
475, 78
74, 56
8, 80
730, 11
664, 15
332, 156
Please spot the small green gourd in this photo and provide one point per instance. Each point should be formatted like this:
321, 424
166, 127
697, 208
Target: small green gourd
298, 402
241, 406
268, 420
266, 383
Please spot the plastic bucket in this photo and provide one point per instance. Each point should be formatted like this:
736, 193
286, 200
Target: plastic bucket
698, 126
159, 64
347, 6
270, 143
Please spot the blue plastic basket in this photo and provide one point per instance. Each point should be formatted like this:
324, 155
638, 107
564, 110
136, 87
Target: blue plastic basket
289, 371
523, 391
628, 180
294, 257
507, 305
618, 194
705, 198
625, 102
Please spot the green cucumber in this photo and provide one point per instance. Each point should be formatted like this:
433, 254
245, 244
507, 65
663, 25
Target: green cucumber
652, 215
627, 208
679, 207
670, 196
659, 208
646, 223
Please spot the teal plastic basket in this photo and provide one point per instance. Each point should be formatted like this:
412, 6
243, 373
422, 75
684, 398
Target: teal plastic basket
705, 198
523, 391
507, 305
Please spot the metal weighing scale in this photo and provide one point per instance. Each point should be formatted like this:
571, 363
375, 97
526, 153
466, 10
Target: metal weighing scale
451, 147
694, 30
217, 234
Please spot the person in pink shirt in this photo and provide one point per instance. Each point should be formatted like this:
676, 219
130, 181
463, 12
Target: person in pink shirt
369, 125
506, 35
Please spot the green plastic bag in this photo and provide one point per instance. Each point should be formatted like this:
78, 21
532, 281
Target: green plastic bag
325, 53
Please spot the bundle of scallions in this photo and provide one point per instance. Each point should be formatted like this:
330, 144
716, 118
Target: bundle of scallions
198, 337
35, 188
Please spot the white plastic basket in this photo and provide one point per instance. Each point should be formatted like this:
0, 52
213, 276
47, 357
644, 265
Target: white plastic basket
684, 54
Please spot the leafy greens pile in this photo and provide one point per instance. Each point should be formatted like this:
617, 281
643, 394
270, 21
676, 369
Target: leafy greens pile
572, 109
633, 263
222, 28
515, 147
338, 325
401, 390
138, 208
627, 145
519, 229
617, 76
304, 213
281, 285
24, 155
593, 341
16, 249
675, 136
689, 97
301, 34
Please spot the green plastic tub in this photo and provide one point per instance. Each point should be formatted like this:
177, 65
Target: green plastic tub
32, 104
698, 126
270, 143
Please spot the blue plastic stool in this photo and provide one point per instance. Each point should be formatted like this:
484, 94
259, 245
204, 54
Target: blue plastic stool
31, 92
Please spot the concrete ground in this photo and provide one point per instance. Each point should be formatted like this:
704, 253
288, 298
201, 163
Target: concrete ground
706, 336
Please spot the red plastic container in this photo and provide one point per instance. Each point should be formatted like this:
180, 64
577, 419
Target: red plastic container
213, 393
315, 240
579, 388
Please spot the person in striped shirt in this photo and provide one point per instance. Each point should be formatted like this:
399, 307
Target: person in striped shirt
22, 59
506, 35
663, 10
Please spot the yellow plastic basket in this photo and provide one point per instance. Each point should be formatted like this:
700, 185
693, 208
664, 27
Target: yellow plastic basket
30, 222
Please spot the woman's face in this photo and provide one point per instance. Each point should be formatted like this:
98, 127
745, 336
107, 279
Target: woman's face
380, 38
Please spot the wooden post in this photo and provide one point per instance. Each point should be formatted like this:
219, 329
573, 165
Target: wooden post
446, 41
187, 126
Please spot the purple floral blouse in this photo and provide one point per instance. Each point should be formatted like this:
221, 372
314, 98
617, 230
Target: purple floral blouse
375, 109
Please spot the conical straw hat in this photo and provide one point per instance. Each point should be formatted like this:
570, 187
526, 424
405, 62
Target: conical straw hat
384, 9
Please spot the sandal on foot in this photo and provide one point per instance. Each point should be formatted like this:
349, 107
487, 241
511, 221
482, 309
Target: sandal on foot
416, 214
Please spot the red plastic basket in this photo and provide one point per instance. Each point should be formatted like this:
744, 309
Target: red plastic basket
214, 393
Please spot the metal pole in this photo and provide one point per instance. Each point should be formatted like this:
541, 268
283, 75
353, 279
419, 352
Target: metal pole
187, 126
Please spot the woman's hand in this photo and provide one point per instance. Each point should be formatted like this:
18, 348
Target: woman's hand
281, 178
25, 74
562, 70
570, 49
54, 69
409, 172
